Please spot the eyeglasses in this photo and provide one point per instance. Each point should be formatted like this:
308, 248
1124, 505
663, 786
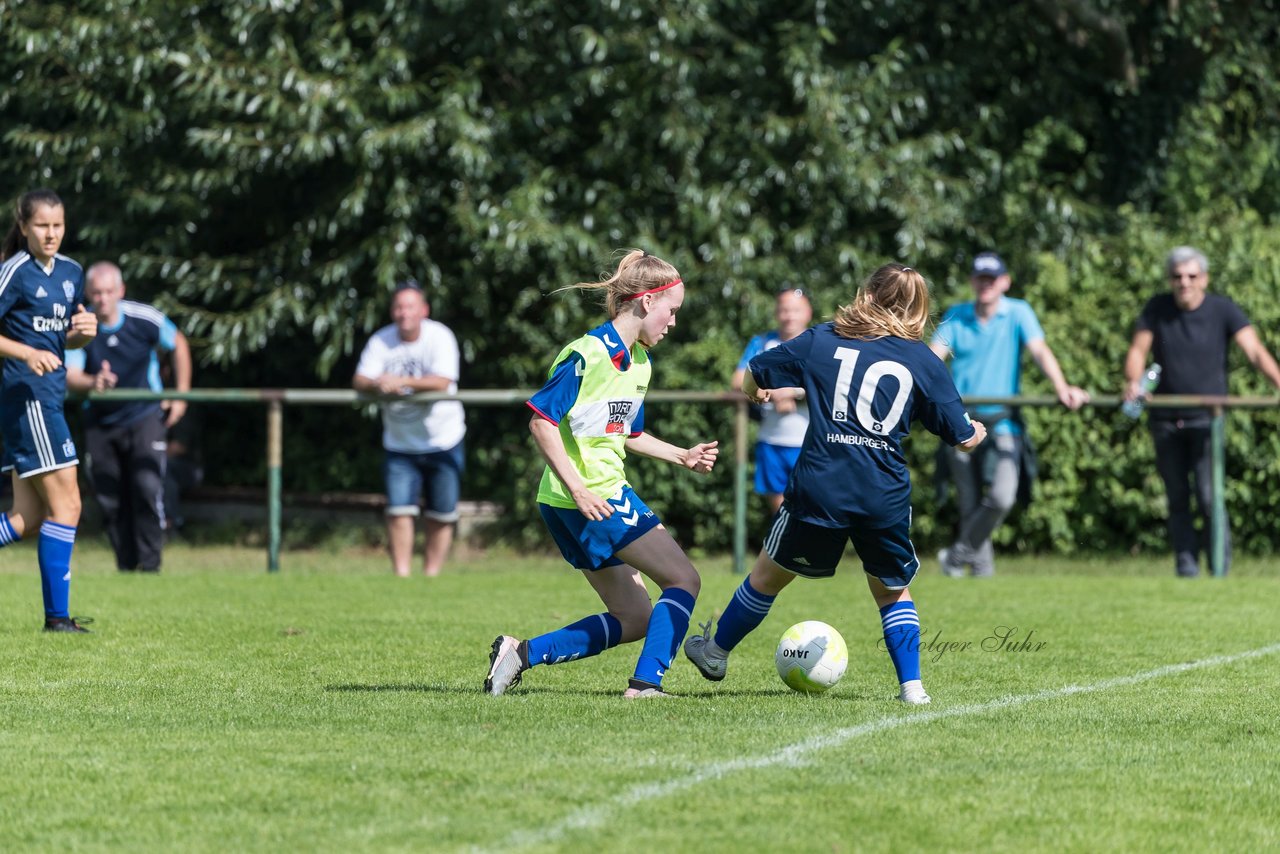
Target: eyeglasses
1177, 277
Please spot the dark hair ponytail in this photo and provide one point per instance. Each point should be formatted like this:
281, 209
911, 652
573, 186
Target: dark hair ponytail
22, 213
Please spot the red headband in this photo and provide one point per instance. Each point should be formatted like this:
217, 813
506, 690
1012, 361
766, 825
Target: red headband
654, 290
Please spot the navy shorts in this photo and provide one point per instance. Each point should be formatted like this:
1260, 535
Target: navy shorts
593, 545
814, 552
36, 437
773, 467
439, 471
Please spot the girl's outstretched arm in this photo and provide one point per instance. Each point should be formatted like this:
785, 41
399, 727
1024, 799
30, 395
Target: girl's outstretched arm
700, 458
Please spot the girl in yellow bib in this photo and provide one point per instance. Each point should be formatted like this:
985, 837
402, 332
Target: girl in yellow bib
586, 419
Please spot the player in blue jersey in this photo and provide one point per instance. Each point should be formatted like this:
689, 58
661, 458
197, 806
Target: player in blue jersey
41, 315
867, 375
586, 419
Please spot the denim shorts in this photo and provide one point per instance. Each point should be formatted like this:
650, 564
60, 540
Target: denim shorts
439, 471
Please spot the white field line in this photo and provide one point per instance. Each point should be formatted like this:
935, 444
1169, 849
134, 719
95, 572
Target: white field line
596, 815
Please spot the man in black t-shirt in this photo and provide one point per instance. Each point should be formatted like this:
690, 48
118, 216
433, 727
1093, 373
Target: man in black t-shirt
1189, 332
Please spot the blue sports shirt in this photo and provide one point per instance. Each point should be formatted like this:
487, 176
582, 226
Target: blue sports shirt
130, 347
35, 309
863, 396
986, 358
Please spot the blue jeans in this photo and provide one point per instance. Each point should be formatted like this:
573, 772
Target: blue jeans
441, 474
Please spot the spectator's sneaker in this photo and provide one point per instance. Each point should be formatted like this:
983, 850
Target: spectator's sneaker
505, 665
66, 624
983, 571
950, 569
702, 651
913, 694
644, 693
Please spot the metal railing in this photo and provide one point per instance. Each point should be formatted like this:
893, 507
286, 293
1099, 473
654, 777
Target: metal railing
275, 400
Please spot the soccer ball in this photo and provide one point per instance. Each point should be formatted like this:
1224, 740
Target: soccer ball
811, 657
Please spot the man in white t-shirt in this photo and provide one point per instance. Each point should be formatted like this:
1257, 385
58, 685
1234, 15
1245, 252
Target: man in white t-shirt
423, 441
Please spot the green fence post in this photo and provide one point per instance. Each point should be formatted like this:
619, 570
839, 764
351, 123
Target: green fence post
740, 487
275, 458
1218, 520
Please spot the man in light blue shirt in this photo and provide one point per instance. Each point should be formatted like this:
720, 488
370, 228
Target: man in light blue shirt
985, 339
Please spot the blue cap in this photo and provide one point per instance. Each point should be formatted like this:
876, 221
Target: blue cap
988, 264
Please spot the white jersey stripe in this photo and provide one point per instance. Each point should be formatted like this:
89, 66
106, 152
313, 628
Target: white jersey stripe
9, 268
40, 435
142, 311
779, 528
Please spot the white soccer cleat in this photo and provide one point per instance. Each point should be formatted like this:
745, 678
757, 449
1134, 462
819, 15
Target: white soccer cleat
505, 665
913, 694
644, 693
704, 654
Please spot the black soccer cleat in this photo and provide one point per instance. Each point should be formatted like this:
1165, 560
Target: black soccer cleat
66, 624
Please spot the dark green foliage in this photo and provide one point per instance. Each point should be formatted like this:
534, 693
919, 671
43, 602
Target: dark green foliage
266, 172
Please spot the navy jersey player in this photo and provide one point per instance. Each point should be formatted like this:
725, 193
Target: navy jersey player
867, 376
41, 315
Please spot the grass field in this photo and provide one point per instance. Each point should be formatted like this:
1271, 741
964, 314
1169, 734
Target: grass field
333, 707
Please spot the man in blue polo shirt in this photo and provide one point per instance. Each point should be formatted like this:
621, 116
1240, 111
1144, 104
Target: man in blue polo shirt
125, 440
985, 339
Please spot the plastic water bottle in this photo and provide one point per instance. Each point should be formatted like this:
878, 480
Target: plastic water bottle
1151, 379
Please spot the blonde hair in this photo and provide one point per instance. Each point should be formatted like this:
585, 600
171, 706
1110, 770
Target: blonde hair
637, 272
893, 301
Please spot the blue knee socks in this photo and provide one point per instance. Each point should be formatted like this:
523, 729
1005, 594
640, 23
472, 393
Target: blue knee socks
587, 637
668, 625
902, 638
54, 553
746, 610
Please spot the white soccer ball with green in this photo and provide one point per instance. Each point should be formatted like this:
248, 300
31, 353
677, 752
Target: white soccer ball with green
811, 657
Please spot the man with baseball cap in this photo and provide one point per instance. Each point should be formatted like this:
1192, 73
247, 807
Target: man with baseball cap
985, 339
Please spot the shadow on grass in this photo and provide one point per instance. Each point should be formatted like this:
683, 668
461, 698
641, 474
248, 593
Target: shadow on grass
532, 691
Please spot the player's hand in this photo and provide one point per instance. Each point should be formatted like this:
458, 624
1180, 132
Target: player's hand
702, 458
84, 323
760, 396
979, 434
592, 506
105, 378
1073, 397
784, 401
42, 362
175, 409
